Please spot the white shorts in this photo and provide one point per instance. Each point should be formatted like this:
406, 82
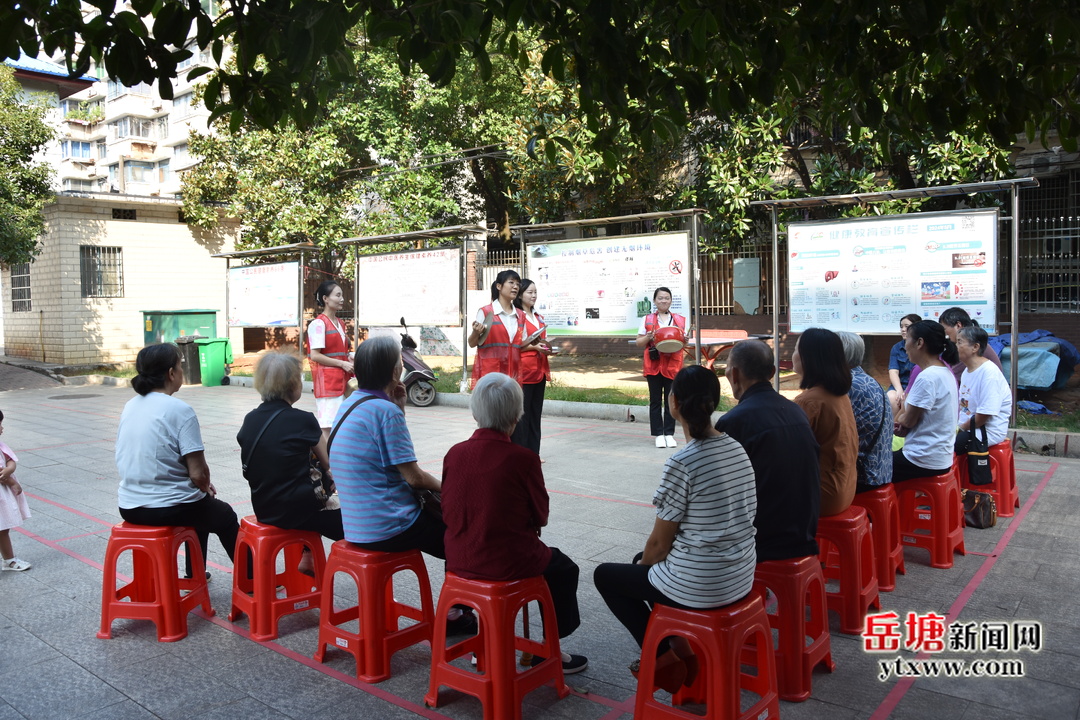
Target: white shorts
326, 410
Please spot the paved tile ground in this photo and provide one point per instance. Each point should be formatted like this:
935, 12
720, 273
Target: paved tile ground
601, 476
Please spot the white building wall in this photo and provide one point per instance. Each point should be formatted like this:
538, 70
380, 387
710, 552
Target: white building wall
167, 265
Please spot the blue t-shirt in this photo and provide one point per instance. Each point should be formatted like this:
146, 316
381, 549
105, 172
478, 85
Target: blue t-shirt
376, 502
899, 361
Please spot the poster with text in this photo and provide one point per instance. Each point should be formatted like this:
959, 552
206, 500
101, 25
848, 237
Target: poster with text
264, 295
604, 286
864, 274
423, 286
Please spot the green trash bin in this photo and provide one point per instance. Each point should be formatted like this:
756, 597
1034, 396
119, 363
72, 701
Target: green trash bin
214, 355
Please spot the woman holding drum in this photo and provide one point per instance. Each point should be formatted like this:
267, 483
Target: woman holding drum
662, 334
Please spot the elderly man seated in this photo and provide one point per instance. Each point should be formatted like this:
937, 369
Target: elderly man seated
873, 418
776, 434
495, 502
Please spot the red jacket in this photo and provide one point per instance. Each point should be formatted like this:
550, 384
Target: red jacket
499, 352
494, 503
330, 381
534, 364
669, 364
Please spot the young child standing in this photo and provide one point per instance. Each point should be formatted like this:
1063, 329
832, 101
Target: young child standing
13, 507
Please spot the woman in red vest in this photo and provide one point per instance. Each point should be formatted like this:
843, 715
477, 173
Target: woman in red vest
328, 350
534, 370
660, 367
498, 330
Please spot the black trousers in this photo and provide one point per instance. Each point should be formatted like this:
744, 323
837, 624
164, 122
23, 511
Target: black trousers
527, 432
561, 576
661, 421
325, 522
630, 597
208, 515
903, 469
425, 535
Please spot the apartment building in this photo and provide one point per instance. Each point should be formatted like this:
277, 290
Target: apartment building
128, 140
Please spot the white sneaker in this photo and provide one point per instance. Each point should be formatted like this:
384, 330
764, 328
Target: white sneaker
670, 440
15, 565
660, 441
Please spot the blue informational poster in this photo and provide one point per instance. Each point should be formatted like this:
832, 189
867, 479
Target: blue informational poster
604, 286
864, 274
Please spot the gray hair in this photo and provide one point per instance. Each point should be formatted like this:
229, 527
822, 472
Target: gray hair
754, 359
375, 361
854, 348
497, 402
276, 375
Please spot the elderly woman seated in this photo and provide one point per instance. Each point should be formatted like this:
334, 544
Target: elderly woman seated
873, 419
985, 398
276, 445
495, 502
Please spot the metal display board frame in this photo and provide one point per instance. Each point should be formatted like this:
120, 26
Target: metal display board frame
1013, 187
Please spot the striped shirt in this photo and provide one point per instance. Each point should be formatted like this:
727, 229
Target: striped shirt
376, 502
708, 488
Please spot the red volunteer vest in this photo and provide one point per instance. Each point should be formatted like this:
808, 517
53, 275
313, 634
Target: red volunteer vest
534, 364
330, 381
669, 364
498, 352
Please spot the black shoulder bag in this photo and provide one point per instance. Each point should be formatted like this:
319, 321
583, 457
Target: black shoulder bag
978, 457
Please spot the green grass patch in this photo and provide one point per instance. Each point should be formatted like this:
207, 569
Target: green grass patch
614, 396
449, 382
109, 372
1067, 422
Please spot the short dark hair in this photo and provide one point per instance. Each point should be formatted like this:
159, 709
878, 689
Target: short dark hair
697, 390
375, 361
325, 288
956, 315
660, 290
976, 336
525, 284
912, 318
754, 359
823, 361
153, 364
500, 279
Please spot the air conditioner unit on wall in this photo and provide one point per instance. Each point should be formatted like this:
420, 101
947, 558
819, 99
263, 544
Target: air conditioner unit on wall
1058, 245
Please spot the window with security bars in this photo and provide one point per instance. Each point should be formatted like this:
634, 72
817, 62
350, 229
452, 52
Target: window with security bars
102, 271
20, 287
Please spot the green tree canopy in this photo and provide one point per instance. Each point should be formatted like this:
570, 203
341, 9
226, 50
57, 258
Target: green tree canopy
906, 67
25, 185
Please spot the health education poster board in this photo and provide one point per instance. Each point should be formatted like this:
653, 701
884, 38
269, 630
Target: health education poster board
423, 286
264, 295
864, 274
604, 286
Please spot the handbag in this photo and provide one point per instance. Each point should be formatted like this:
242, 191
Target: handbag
978, 458
980, 509
430, 502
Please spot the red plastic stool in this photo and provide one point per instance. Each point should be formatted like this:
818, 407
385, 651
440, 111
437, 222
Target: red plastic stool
379, 635
725, 639
932, 517
257, 596
497, 683
883, 509
847, 552
156, 592
799, 586
1003, 471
